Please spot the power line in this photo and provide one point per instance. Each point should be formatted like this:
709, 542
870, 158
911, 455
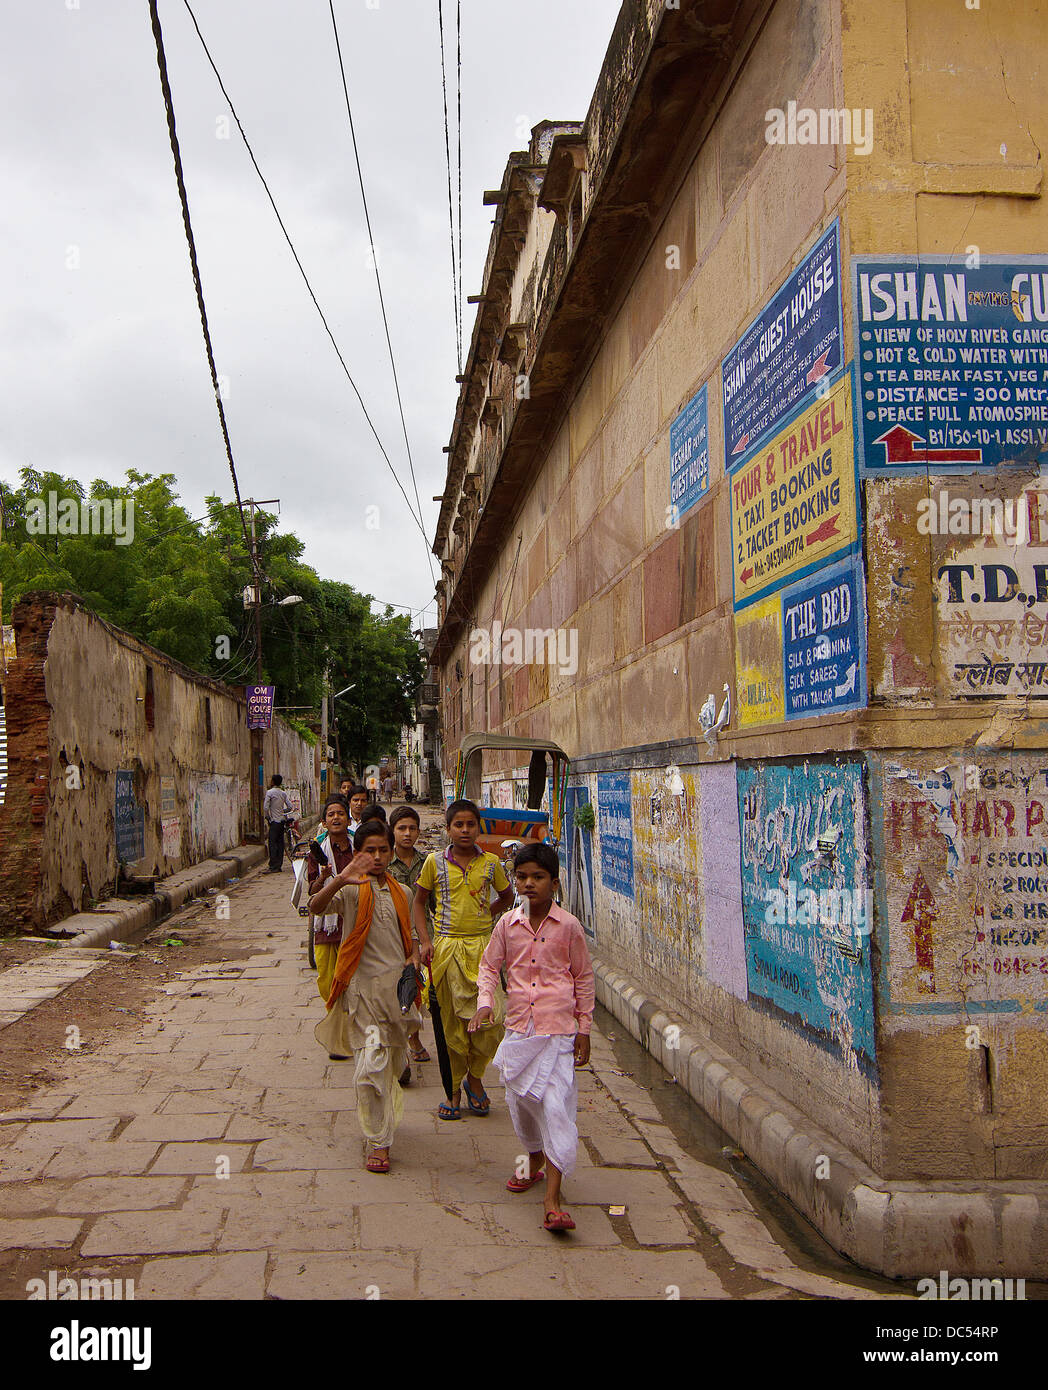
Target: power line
378, 277
455, 292
349, 377
458, 88
173, 136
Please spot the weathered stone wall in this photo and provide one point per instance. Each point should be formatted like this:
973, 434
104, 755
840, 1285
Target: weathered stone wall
86, 701
916, 1033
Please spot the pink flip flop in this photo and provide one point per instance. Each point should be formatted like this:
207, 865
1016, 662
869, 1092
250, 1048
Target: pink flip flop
516, 1184
558, 1221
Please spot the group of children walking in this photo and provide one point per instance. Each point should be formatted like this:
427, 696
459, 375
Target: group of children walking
385, 910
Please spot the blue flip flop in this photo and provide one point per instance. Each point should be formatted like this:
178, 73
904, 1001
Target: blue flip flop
478, 1105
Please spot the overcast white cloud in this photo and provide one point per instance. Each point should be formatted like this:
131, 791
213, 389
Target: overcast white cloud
101, 354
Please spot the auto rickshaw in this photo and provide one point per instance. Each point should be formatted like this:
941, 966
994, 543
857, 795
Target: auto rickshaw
504, 828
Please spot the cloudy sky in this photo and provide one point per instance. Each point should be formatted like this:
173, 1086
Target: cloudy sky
102, 356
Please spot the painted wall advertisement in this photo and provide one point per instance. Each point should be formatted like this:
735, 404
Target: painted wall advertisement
667, 886
259, 705
615, 824
760, 698
724, 938
953, 361
802, 652
690, 454
965, 887
214, 813
793, 503
806, 897
129, 820
991, 610
793, 342
171, 837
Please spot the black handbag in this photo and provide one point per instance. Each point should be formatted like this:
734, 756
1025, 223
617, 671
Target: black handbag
407, 987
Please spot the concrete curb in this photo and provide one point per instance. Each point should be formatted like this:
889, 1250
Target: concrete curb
173, 893
978, 1228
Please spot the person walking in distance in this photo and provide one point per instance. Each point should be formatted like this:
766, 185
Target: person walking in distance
276, 808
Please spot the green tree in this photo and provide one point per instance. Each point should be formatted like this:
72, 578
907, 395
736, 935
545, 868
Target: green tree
179, 585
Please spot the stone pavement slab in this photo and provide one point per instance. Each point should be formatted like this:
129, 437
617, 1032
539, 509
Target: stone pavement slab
241, 1276
150, 1233
305, 1274
39, 1233
210, 1157
118, 1194
101, 1158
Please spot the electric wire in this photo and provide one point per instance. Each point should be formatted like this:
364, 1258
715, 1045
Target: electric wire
451, 210
458, 88
327, 328
187, 224
378, 277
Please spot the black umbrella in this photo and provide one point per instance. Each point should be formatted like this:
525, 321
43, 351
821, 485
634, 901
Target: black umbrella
443, 1060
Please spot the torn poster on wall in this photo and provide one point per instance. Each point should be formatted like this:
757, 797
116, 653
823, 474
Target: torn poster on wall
576, 855
964, 844
806, 898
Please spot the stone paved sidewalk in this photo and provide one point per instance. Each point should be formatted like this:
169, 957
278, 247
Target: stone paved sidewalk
215, 1154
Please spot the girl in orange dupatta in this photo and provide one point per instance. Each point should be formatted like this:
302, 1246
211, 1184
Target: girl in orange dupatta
364, 1015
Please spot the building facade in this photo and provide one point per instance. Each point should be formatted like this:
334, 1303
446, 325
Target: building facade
744, 510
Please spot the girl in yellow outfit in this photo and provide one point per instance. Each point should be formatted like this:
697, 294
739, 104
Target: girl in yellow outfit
461, 879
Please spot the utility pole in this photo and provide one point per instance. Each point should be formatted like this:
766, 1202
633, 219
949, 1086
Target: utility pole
324, 738
257, 736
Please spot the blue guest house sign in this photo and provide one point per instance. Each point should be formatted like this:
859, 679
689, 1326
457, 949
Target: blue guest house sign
689, 455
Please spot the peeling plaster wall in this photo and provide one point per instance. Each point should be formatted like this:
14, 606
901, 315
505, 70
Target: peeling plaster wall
962, 894
78, 707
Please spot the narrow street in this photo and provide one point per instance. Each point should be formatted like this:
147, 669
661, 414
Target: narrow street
206, 1147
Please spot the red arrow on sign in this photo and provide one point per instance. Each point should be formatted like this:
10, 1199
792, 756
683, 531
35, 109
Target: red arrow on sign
824, 530
746, 575
817, 368
741, 444
900, 447
920, 910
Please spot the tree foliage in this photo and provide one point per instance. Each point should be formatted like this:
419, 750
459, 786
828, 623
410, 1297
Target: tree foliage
178, 584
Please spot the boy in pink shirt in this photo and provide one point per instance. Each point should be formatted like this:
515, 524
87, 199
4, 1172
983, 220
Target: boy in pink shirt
549, 1012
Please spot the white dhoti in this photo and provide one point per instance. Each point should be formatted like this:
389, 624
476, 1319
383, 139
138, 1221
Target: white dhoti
542, 1093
